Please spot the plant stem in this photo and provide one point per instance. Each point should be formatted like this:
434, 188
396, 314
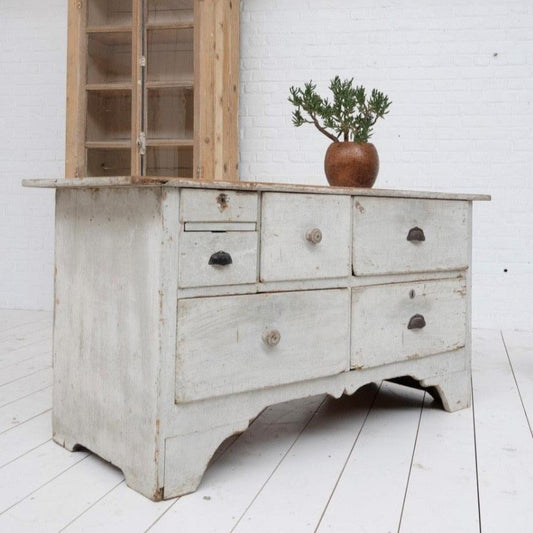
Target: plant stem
323, 130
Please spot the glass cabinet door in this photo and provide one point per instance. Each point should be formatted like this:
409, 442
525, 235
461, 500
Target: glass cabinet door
109, 84
152, 88
169, 94
164, 140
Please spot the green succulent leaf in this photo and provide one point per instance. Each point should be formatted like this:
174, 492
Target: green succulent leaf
350, 114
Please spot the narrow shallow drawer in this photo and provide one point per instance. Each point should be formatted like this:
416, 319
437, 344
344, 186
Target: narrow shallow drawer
218, 206
399, 235
305, 236
406, 321
208, 259
233, 344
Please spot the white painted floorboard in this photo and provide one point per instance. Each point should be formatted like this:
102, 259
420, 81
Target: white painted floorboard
371, 490
63, 498
235, 479
27, 436
519, 346
20, 411
503, 440
12, 318
121, 510
387, 459
26, 386
442, 492
308, 474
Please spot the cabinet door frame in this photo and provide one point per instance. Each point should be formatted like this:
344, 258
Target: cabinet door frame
216, 89
75, 158
217, 63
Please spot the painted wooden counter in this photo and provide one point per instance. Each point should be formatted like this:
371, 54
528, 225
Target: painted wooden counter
182, 309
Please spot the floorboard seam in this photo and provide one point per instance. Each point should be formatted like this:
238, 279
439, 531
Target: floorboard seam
412, 460
24, 422
370, 407
516, 383
162, 515
277, 466
44, 484
25, 453
215, 460
475, 456
91, 506
45, 339
38, 325
24, 324
25, 396
26, 359
34, 356
26, 375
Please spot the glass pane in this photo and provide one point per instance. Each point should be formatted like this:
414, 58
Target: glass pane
109, 13
171, 114
170, 162
104, 163
170, 55
109, 58
170, 11
109, 116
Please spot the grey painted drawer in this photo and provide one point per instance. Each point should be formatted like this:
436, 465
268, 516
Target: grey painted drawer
386, 323
287, 248
234, 344
197, 249
382, 227
218, 206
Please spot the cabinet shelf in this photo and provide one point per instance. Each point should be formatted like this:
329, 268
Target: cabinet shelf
111, 38
108, 145
109, 29
108, 87
170, 26
169, 143
177, 84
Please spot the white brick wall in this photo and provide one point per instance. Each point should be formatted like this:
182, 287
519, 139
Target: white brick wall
32, 118
460, 75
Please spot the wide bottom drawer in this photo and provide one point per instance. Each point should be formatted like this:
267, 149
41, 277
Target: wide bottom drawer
227, 345
404, 321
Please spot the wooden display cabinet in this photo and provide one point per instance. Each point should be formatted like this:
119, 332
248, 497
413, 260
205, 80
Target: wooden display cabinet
153, 88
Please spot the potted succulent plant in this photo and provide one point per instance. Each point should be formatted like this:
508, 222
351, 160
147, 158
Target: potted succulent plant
347, 120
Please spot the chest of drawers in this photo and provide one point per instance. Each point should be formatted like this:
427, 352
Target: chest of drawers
183, 309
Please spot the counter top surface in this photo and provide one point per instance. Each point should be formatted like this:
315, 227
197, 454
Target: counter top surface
153, 182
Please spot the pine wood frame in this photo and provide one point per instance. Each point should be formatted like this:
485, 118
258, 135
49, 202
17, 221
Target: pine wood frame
216, 89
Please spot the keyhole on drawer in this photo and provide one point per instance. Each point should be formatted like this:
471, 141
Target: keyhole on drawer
222, 201
412, 294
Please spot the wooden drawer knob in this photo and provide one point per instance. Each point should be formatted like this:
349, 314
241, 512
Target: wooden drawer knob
314, 236
271, 338
417, 322
220, 259
416, 234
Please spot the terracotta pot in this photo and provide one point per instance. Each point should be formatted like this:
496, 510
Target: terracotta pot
350, 164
